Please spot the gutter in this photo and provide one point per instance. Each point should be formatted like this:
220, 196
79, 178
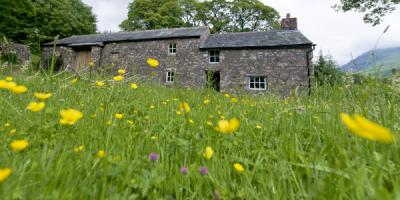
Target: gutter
308, 67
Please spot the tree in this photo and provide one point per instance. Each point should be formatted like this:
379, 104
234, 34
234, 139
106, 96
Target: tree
153, 14
219, 15
326, 71
34, 22
374, 9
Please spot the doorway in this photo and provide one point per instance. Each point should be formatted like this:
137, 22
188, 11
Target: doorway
213, 80
82, 59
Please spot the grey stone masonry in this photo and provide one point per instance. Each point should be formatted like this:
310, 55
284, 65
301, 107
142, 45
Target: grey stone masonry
22, 52
253, 62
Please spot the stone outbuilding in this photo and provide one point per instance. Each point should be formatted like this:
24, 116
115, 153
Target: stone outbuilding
192, 57
20, 52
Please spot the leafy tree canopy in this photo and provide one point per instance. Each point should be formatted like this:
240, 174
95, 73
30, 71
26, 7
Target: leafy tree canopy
374, 9
219, 15
34, 22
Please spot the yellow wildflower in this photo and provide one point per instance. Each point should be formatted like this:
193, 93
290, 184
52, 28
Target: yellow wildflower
191, 121
73, 81
101, 154
208, 153
109, 122
234, 100
210, 123
184, 107
134, 86
362, 127
118, 78
225, 126
178, 112
19, 89
79, 149
70, 116
13, 131
42, 96
206, 101
152, 107
122, 71
91, 64
35, 106
130, 122
258, 126
7, 85
9, 78
100, 83
227, 95
153, 62
4, 174
238, 167
19, 145
119, 115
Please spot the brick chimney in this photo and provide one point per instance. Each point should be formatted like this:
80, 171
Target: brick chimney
289, 23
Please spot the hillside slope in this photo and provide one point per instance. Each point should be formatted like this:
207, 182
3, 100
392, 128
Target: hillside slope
382, 60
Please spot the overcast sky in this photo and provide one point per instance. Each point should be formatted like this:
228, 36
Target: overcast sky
342, 35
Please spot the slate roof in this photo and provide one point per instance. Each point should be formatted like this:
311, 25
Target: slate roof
99, 39
255, 40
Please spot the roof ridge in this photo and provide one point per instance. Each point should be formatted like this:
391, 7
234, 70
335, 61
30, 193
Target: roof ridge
270, 31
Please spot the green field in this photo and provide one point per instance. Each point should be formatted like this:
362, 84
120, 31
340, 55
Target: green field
291, 148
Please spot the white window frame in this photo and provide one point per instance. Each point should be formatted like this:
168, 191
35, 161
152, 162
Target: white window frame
170, 75
172, 49
214, 56
261, 79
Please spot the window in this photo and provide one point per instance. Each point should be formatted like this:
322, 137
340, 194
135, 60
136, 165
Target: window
214, 56
258, 83
170, 77
172, 48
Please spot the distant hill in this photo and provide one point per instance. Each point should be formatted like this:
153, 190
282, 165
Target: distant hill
382, 60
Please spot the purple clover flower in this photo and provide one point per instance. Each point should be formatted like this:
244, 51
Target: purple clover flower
184, 170
203, 171
153, 157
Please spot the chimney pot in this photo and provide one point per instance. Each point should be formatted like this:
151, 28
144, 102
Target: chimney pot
289, 23
288, 15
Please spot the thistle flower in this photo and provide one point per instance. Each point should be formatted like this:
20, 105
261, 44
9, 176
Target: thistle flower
118, 78
364, 128
153, 62
208, 153
225, 126
238, 167
203, 170
4, 174
70, 116
35, 106
184, 170
19, 145
153, 157
42, 96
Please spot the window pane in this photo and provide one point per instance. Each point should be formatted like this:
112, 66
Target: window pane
251, 85
262, 85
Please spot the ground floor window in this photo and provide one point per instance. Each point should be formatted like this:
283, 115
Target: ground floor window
170, 76
257, 83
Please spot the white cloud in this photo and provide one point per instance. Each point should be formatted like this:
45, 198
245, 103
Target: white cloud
337, 33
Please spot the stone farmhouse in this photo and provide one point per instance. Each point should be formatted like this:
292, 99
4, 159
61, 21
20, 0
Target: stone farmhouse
192, 57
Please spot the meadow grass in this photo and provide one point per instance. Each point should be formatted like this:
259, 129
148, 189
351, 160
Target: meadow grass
291, 148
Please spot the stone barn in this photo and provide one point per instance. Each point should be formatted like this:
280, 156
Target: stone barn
192, 57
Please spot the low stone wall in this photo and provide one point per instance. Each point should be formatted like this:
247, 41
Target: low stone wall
22, 52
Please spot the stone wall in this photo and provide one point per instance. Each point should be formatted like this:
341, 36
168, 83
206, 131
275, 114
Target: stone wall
22, 52
65, 55
283, 67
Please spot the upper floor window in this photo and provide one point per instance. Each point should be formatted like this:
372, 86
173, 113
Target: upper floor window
170, 77
214, 56
257, 83
172, 48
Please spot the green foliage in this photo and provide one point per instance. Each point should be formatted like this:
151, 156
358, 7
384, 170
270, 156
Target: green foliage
34, 22
374, 9
10, 58
326, 71
219, 15
301, 151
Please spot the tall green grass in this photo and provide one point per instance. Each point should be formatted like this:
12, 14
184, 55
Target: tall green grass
302, 150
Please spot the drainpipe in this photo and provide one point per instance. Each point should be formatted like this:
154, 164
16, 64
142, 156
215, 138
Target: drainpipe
308, 68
